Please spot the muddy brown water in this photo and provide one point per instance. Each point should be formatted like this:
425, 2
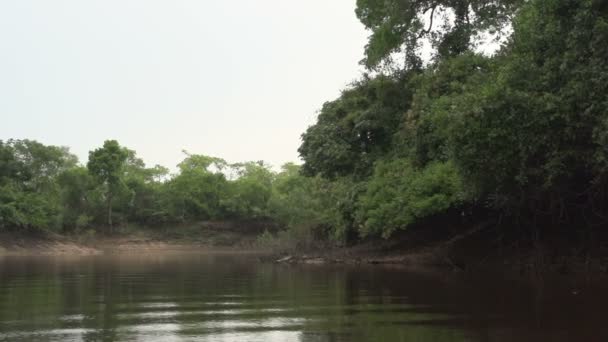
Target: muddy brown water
219, 297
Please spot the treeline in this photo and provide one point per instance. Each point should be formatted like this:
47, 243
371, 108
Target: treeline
46, 188
521, 134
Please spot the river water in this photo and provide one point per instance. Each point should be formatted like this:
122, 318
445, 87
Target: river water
207, 297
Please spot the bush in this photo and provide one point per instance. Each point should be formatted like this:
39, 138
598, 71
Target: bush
398, 195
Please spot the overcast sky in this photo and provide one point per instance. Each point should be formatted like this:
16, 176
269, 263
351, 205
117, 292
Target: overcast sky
237, 79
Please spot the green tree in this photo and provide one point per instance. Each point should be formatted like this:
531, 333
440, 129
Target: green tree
196, 192
79, 197
314, 208
533, 138
356, 129
106, 164
399, 195
248, 195
401, 25
28, 183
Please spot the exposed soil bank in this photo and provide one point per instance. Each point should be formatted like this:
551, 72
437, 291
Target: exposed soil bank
61, 245
229, 237
483, 247
39, 244
480, 247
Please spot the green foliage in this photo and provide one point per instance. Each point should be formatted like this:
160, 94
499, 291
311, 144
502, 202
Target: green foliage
44, 188
294, 201
442, 89
106, 165
355, 130
314, 208
525, 130
78, 197
195, 193
248, 195
398, 195
532, 139
450, 25
29, 195
27, 210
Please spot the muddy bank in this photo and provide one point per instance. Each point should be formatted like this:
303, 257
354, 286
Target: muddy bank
217, 236
52, 244
42, 244
127, 245
476, 249
15, 246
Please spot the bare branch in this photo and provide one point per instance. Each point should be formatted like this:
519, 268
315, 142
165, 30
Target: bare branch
432, 8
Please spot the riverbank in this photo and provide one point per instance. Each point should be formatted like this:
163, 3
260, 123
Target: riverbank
42, 244
20, 245
479, 248
452, 248
224, 236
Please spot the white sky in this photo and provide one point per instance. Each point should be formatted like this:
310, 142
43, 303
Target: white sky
237, 79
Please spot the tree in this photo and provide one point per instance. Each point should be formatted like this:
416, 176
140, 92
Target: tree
197, 191
248, 195
79, 197
31, 195
399, 195
533, 139
106, 165
450, 25
356, 129
139, 198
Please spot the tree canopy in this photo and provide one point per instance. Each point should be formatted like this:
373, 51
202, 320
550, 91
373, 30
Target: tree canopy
450, 26
521, 133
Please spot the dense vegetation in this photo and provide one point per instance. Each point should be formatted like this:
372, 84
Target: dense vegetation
45, 188
521, 132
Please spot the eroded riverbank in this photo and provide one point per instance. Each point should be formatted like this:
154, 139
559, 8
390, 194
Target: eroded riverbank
57, 245
464, 250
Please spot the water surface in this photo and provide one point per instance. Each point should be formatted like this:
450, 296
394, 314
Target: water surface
206, 297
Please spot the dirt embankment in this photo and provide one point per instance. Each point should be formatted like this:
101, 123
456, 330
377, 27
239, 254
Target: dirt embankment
14, 245
41, 244
228, 236
482, 247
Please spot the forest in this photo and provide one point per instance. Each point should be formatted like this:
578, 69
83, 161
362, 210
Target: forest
46, 189
518, 134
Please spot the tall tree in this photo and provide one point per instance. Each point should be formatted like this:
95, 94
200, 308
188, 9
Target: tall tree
353, 131
29, 193
400, 26
106, 164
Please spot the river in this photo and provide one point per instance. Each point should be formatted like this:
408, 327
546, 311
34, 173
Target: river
219, 297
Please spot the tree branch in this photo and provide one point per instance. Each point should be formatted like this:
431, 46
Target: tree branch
432, 8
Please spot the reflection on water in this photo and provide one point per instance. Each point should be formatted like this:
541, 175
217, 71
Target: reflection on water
197, 297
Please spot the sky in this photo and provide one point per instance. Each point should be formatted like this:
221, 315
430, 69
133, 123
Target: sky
236, 79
